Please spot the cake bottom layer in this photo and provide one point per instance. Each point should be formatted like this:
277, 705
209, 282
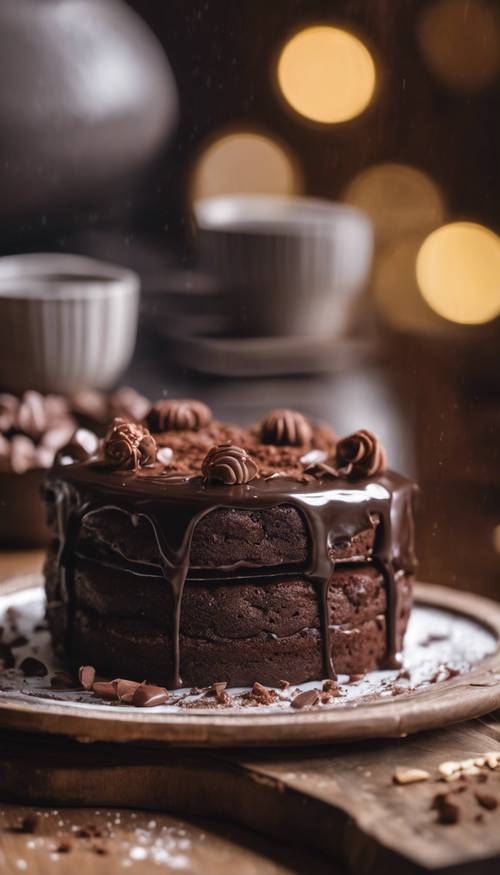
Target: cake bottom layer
263, 629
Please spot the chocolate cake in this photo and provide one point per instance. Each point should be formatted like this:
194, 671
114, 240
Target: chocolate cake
189, 551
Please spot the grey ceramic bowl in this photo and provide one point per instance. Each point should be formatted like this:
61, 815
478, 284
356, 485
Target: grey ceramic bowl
292, 266
66, 322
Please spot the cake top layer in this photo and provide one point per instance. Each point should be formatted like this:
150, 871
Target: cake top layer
192, 464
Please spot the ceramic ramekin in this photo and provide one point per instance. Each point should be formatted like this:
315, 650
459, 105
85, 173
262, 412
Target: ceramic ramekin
66, 322
293, 266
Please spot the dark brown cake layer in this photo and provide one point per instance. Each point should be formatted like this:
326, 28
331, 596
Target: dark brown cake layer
240, 631
226, 538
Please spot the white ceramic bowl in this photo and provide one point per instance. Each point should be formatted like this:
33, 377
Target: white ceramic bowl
66, 322
293, 266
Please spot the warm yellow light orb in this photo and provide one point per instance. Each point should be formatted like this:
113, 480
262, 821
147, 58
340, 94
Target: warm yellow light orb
244, 162
458, 273
460, 42
326, 74
400, 200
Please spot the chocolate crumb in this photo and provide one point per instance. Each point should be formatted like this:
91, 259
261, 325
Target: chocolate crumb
354, 678
284, 685
479, 818
303, 700
486, 800
27, 826
86, 676
260, 695
33, 668
64, 847
98, 849
40, 627
482, 778
329, 685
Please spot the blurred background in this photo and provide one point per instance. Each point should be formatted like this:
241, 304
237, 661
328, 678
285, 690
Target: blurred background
143, 134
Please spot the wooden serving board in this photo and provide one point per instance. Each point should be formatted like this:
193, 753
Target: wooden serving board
370, 710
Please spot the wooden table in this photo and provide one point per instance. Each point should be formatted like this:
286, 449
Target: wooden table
332, 809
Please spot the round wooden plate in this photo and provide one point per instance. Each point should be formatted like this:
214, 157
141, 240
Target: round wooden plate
387, 709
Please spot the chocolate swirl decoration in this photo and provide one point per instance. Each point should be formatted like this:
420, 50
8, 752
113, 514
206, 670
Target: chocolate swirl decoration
286, 427
178, 415
360, 455
228, 464
128, 446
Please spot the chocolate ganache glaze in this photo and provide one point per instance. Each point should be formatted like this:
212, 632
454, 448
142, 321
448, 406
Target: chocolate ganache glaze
334, 508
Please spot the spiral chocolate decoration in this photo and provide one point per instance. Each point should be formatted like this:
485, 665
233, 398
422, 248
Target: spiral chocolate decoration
286, 427
128, 446
178, 415
360, 455
228, 464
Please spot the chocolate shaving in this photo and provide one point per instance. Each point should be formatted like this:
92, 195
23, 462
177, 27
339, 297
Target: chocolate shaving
105, 690
125, 689
149, 696
305, 699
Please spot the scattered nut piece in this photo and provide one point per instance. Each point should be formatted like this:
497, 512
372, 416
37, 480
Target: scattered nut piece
410, 776
86, 676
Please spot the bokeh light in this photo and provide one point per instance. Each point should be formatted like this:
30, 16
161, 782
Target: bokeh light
399, 199
397, 296
326, 74
458, 272
460, 42
245, 162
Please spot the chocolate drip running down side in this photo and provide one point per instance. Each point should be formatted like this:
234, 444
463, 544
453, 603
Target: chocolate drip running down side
173, 506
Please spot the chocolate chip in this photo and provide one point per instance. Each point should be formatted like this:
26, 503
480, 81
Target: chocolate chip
486, 800
448, 812
308, 697
33, 668
105, 690
86, 676
148, 696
